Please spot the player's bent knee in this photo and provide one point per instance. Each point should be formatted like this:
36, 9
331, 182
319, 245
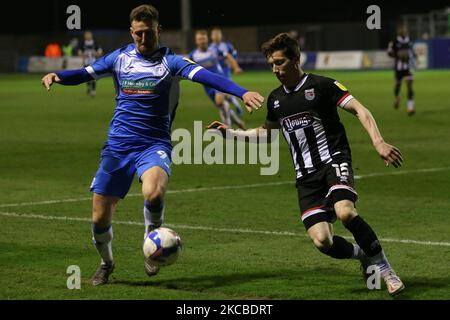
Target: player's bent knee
154, 195
323, 242
154, 184
154, 192
345, 210
220, 99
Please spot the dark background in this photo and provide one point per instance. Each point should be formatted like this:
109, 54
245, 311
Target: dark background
50, 16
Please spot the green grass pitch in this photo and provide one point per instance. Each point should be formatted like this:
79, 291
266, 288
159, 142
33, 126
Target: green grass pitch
49, 150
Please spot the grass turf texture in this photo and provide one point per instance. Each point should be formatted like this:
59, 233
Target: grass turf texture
49, 149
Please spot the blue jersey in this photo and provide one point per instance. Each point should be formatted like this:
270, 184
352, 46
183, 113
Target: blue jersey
146, 94
223, 49
208, 59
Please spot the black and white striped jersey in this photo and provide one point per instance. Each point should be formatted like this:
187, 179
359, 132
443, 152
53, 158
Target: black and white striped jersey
310, 122
401, 49
90, 50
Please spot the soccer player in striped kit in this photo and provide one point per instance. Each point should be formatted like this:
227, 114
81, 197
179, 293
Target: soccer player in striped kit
401, 50
90, 51
305, 108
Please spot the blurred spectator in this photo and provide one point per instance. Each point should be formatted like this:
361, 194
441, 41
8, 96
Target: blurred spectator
69, 51
53, 50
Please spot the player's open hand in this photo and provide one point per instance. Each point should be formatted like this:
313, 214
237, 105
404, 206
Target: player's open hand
252, 100
390, 154
218, 126
48, 80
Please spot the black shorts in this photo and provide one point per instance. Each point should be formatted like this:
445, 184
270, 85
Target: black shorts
403, 74
320, 190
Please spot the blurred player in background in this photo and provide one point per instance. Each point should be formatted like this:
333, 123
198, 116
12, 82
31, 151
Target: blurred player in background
401, 49
227, 52
146, 78
305, 108
90, 51
208, 58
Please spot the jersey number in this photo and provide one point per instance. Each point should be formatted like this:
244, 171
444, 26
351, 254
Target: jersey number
341, 169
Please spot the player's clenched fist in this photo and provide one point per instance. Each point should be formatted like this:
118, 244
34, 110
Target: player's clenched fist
48, 80
252, 100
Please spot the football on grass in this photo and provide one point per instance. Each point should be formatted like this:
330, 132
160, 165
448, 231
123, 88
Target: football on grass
162, 246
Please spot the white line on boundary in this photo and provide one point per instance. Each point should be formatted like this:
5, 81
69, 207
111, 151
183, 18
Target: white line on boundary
203, 228
255, 185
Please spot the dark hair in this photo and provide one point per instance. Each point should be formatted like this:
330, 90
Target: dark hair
143, 13
283, 42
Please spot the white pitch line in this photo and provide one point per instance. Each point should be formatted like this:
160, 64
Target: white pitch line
254, 185
204, 228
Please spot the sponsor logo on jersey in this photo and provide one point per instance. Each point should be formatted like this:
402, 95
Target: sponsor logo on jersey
298, 121
310, 94
340, 86
138, 87
188, 60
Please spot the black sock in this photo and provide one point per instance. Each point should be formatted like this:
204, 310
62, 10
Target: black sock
397, 89
341, 249
364, 236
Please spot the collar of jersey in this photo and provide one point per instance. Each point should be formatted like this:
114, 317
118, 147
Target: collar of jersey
155, 55
300, 84
403, 39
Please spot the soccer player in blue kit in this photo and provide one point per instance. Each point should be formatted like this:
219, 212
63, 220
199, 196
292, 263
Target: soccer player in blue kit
146, 79
209, 57
227, 53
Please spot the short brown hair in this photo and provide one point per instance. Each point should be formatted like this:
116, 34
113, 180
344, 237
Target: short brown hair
144, 12
202, 32
283, 42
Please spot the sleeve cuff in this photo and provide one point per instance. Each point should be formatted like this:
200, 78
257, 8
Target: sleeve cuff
194, 71
344, 100
91, 71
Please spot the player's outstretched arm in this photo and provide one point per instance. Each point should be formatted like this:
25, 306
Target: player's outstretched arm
390, 50
389, 153
264, 133
67, 77
233, 64
252, 100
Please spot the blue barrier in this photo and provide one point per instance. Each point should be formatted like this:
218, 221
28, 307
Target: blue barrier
439, 53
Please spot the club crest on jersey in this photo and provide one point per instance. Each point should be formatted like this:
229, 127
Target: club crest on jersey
310, 94
276, 104
159, 71
298, 121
